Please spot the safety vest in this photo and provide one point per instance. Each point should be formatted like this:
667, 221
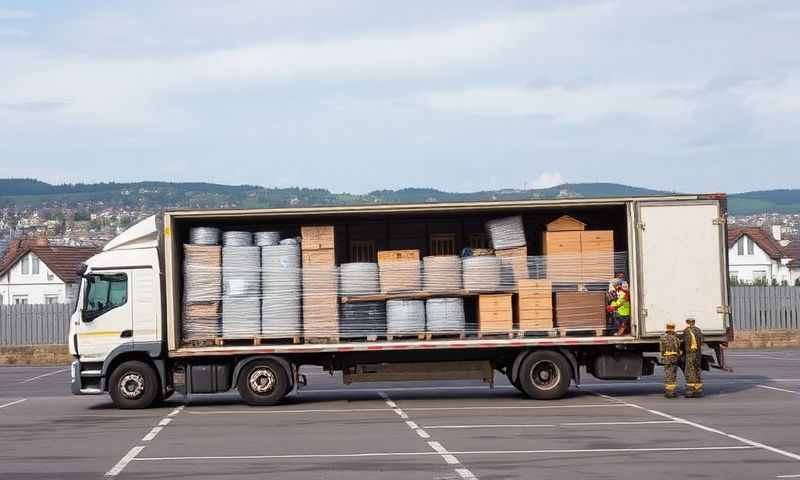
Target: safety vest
623, 305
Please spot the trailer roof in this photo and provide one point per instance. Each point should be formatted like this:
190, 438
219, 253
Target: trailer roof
425, 207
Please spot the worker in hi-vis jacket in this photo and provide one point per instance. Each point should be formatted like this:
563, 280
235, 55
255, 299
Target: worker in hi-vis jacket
670, 357
693, 359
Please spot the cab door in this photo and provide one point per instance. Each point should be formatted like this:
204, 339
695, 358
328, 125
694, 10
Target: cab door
682, 265
106, 320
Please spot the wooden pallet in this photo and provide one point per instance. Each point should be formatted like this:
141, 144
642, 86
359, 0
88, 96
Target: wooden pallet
277, 340
549, 332
410, 336
331, 339
445, 336
509, 334
361, 338
582, 332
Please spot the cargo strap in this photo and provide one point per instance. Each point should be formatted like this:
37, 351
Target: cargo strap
670, 386
670, 354
693, 344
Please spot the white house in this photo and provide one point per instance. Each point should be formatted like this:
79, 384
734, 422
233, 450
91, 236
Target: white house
40, 273
754, 256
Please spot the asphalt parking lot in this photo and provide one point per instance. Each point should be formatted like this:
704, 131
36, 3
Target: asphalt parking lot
747, 427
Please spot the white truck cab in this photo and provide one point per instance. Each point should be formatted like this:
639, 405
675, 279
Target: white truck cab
118, 317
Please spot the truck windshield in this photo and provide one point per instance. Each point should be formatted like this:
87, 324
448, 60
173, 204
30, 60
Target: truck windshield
104, 292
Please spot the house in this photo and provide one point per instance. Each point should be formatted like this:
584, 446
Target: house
32, 271
755, 256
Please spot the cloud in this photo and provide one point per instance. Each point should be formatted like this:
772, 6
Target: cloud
547, 180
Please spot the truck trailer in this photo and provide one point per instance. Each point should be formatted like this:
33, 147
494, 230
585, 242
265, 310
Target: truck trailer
132, 335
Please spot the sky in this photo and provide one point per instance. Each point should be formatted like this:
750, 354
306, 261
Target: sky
358, 95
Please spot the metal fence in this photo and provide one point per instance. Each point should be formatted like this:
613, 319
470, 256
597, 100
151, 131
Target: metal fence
761, 308
34, 324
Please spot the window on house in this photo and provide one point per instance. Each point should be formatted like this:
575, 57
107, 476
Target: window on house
25, 266
443, 244
740, 247
50, 299
734, 277
362, 251
760, 276
34, 265
50, 276
478, 240
20, 299
749, 246
105, 292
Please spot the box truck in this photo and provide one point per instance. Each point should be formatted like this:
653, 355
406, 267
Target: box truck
134, 333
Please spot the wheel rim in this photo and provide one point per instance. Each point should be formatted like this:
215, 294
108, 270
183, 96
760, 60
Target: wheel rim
545, 375
262, 380
131, 385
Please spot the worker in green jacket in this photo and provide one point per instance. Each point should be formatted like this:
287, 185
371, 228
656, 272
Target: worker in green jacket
670, 357
620, 309
692, 359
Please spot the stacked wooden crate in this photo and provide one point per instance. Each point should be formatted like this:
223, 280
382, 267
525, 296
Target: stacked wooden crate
581, 311
535, 305
399, 271
320, 301
495, 313
577, 255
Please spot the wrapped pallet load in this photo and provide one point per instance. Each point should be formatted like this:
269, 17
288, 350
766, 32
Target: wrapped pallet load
399, 271
202, 289
482, 274
445, 315
363, 319
280, 285
241, 286
405, 317
320, 283
442, 273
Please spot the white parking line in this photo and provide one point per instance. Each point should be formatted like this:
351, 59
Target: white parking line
449, 458
417, 409
152, 434
120, 466
12, 403
465, 452
37, 377
778, 389
510, 407
796, 475
746, 441
544, 425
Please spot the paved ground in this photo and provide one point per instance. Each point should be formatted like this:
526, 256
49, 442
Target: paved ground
747, 427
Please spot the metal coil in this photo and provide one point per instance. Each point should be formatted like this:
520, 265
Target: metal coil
281, 309
445, 315
506, 232
405, 317
289, 241
204, 236
358, 278
362, 319
241, 271
442, 273
482, 274
237, 239
266, 239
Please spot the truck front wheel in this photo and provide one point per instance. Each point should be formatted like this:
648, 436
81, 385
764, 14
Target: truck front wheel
133, 384
263, 382
545, 375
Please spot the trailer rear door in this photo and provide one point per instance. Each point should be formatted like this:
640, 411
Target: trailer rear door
682, 265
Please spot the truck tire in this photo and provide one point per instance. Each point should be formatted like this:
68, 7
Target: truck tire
545, 375
263, 382
133, 384
513, 381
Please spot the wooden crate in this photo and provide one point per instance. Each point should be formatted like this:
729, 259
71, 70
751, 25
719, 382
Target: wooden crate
581, 310
495, 313
597, 255
315, 237
535, 305
387, 256
322, 256
565, 223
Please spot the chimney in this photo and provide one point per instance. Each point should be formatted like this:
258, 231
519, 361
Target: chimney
776, 232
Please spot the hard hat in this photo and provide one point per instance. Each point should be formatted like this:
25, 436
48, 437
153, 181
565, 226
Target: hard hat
670, 326
690, 321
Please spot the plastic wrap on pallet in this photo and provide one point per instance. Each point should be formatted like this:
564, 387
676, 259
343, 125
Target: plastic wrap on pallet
401, 277
204, 236
234, 238
241, 317
267, 239
405, 317
442, 273
358, 278
320, 301
506, 232
281, 310
202, 281
445, 315
483, 274
201, 320
362, 319
241, 271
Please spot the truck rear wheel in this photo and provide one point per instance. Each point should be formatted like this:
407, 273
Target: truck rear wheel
512, 380
545, 375
133, 384
263, 382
